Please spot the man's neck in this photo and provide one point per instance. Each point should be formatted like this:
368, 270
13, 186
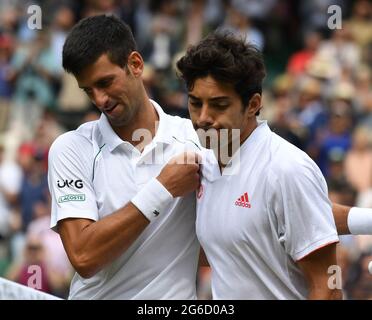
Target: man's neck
234, 147
145, 119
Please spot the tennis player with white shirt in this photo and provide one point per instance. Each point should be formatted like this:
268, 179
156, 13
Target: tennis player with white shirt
121, 202
266, 226
126, 220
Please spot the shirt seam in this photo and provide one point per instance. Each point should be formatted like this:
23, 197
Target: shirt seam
94, 160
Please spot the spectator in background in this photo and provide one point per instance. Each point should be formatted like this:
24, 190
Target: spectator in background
309, 111
360, 23
259, 10
24, 271
96, 7
341, 51
10, 222
298, 61
341, 192
194, 24
345, 260
363, 95
64, 19
336, 165
6, 52
283, 120
10, 17
314, 15
359, 286
91, 115
34, 186
47, 130
335, 138
55, 257
239, 23
161, 33
358, 172
358, 162
36, 73
165, 34
10, 185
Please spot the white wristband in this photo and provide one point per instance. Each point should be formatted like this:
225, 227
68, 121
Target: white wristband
359, 221
152, 199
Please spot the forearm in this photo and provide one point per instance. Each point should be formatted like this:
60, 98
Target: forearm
101, 242
352, 220
340, 214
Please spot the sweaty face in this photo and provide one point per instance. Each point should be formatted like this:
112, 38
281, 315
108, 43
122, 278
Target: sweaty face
215, 105
111, 89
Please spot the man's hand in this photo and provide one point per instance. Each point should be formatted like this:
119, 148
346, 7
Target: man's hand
181, 175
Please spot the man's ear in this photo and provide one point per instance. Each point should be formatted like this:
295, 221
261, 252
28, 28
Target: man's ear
254, 105
135, 64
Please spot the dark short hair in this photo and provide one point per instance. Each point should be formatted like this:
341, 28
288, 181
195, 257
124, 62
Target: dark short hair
94, 36
227, 59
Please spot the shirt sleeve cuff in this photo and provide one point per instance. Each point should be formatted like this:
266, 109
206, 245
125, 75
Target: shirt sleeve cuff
315, 246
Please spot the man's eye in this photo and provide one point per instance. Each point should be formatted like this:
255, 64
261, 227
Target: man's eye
195, 104
105, 84
223, 106
220, 106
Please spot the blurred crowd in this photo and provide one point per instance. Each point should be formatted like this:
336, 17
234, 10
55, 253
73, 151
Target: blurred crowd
317, 95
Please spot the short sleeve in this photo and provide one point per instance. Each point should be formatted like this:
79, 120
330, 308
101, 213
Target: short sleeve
70, 166
299, 200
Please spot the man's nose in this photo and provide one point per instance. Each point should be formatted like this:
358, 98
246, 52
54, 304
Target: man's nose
99, 98
205, 117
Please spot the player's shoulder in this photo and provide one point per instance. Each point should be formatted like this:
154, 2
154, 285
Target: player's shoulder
79, 140
287, 159
182, 128
177, 121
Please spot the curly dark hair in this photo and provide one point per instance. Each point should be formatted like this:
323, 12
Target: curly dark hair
94, 36
227, 59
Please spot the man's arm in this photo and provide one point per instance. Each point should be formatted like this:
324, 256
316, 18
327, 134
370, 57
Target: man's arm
315, 268
352, 220
91, 245
340, 214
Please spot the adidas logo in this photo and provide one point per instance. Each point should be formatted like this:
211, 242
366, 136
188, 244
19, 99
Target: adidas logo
243, 201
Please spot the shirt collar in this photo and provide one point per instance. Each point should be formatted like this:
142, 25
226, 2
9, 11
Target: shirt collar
248, 147
211, 170
163, 134
255, 138
112, 140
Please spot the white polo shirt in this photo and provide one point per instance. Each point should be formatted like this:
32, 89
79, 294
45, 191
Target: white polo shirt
92, 173
255, 223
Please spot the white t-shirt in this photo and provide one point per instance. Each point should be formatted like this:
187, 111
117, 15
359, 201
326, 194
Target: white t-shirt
92, 173
256, 222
